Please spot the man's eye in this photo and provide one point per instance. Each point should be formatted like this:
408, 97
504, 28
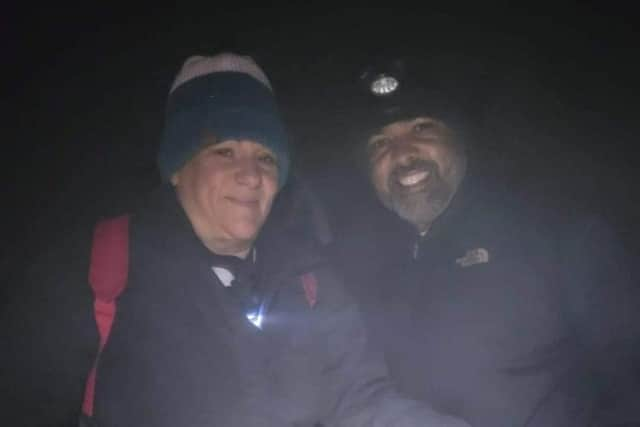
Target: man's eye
377, 143
423, 127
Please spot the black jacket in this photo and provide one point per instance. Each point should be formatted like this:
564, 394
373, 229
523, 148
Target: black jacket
503, 314
182, 352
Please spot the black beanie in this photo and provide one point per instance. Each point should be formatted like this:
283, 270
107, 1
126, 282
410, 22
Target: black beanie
413, 98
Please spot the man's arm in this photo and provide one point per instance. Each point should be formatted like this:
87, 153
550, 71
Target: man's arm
362, 392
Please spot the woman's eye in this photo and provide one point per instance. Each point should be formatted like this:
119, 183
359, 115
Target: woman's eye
268, 159
223, 151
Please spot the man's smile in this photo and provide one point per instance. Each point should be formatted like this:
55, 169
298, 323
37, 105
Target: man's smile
413, 177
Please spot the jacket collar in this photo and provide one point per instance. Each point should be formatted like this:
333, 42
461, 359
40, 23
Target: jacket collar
281, 252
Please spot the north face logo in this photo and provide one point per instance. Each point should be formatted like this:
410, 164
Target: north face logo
473, 257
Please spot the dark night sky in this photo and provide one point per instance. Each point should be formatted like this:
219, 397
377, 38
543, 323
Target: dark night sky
85, 90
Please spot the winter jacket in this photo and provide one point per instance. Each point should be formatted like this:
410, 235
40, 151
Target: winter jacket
502, 314
182, 351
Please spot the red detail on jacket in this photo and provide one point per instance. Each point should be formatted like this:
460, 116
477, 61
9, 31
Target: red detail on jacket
310, 285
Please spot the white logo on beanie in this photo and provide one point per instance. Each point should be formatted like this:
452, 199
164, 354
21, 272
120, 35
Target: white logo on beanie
196, 66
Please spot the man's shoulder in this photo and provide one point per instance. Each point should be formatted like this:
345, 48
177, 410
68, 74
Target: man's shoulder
544, 226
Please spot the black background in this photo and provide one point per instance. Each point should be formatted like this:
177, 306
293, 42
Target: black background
85, 88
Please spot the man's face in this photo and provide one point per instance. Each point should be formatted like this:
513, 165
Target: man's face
416, 168
227, 190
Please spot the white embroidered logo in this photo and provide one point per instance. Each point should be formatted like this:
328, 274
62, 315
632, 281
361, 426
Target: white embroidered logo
474, 256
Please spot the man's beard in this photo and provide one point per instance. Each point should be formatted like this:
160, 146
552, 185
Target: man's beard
422, 204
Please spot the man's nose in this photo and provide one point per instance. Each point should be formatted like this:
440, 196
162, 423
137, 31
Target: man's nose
248, 172
403, 151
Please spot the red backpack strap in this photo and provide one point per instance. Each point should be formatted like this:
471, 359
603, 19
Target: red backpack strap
108, 277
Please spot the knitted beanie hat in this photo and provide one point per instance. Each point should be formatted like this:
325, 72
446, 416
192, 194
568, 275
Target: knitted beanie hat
225, 95
412, 99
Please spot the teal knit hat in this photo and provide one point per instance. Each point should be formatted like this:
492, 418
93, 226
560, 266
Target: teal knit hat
228, 96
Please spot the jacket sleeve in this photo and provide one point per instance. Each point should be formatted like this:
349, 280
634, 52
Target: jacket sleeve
49, 339
359, 387
603, 299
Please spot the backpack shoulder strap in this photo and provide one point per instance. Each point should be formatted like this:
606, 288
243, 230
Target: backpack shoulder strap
108, 277
110, 258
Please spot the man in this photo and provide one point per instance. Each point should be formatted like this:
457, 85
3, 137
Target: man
228, 318
483, 305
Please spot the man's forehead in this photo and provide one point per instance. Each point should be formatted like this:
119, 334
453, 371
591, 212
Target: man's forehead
403, 125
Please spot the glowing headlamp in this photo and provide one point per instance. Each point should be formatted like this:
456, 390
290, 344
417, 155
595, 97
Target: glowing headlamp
384, 85
383, 78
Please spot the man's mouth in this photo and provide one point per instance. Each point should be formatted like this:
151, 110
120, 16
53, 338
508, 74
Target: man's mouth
413, 177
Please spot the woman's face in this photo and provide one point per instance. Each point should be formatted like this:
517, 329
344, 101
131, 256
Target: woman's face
227, 190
